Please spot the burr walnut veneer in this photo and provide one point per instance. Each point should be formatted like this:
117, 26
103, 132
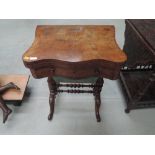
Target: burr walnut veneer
75, 52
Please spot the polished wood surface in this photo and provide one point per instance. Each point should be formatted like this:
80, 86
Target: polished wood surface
74, 51
75, 44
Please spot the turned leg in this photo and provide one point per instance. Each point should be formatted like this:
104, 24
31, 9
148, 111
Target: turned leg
97, 91
53, 91
6, 110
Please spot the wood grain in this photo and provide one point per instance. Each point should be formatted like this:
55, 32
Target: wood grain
75, 44
74, 51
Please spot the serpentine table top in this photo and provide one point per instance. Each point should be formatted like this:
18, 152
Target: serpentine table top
74, 51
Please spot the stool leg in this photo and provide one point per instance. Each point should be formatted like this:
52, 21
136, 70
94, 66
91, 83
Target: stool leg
97, 91
53, 91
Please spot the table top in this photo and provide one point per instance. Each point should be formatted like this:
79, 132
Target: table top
74, 51
75, 43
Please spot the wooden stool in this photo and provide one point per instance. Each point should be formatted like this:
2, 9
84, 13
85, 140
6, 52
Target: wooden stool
75, 52
12, 89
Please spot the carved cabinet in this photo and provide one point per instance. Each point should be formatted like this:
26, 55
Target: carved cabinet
137, 76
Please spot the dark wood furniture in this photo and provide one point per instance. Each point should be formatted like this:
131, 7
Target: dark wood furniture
12, 89
138, 75
75, 52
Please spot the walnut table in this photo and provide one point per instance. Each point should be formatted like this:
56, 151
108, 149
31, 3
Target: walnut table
74, 53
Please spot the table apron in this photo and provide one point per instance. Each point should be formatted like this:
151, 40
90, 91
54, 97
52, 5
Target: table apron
75, 73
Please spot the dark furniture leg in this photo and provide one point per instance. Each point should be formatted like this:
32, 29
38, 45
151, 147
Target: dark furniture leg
53, 91
97, 91
6, 110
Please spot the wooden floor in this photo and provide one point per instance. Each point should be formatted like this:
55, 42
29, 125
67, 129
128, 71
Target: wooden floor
74, 114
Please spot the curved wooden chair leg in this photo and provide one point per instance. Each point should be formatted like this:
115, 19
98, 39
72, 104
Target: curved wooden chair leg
8, 86
6, 114
6, 110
